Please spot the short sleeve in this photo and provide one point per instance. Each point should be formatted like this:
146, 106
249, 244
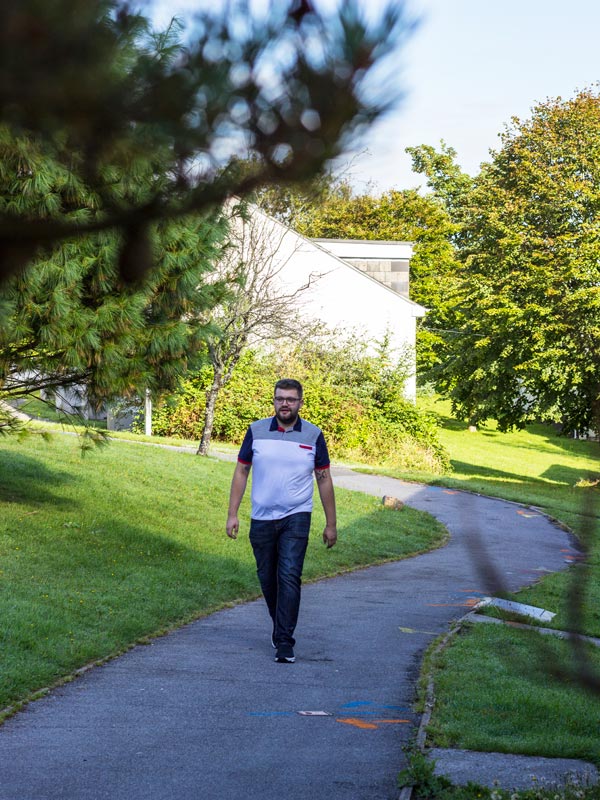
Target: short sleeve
246, 450
322, 454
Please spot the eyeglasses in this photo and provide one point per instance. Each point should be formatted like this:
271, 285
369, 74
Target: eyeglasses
290, 400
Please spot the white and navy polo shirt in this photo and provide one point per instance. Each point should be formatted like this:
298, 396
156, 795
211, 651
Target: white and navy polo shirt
283, 463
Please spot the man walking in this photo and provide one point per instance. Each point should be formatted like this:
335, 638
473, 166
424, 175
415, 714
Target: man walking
284, 450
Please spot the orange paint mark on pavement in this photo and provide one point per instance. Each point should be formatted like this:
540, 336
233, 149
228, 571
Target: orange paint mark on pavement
358, 723
373, 724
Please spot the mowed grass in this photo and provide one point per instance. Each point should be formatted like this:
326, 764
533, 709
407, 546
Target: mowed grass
98, 552
498, 689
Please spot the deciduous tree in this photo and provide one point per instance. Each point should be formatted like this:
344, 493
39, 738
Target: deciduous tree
528, 310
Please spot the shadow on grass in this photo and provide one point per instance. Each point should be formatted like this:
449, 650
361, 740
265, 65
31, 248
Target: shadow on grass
556, 474
486, 473
27, 480
451, 424
540, 432
571, 476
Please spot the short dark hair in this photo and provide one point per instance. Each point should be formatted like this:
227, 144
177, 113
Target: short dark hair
290, 383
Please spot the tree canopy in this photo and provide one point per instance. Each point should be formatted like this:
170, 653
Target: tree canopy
528, 308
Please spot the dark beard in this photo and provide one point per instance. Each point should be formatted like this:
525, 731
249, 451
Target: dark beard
289, 421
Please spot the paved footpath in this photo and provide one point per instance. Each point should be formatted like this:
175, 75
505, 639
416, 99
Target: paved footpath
204, 713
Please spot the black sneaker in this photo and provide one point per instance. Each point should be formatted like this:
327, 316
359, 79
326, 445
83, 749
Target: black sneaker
285, 655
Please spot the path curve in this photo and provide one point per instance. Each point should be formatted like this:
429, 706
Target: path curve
205, 714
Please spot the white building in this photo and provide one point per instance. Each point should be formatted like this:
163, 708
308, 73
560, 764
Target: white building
361, 287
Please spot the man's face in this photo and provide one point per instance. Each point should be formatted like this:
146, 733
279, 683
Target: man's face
287, 406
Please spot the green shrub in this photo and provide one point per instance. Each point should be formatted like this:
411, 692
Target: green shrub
354, 397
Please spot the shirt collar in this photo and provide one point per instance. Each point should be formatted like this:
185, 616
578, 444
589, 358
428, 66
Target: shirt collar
275, 425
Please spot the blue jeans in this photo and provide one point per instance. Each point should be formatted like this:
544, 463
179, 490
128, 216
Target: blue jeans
279, 548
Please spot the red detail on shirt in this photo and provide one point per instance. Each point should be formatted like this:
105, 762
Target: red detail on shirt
306, 447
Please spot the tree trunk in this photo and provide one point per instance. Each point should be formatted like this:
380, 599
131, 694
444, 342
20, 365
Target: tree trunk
209, 413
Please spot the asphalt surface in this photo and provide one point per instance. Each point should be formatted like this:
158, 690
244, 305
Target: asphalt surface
205, 712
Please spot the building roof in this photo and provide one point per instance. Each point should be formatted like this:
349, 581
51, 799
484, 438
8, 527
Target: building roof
366, 248
341, 250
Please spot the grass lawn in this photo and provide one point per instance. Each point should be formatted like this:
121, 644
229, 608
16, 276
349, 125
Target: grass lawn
99, 551
517, 705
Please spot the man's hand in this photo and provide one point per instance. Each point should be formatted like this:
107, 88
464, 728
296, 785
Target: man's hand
330, 535
325, 487
238, 487
233, 526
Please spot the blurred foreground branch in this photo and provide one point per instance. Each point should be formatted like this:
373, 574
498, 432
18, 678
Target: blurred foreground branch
89, 84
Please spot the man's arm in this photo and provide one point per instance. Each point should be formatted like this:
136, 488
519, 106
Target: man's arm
238, 487
327, 495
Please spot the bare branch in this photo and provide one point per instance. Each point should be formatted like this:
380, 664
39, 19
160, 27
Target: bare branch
259, 307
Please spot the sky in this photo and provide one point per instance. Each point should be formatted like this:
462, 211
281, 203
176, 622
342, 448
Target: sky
470, 66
